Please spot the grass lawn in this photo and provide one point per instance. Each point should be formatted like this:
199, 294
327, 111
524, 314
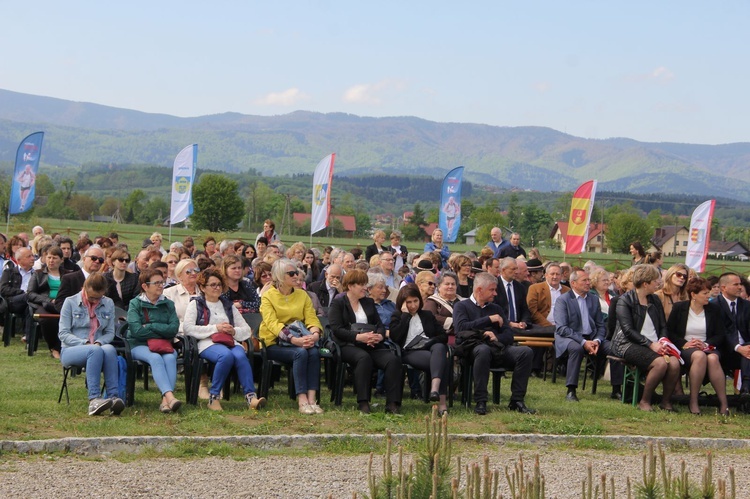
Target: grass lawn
29, 388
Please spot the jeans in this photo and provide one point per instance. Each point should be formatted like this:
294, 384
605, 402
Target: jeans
163, 367
224, 359
94, 358
305, 365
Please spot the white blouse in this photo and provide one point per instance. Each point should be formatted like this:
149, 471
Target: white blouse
696, 326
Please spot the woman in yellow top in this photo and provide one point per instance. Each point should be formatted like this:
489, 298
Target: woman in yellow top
280, 306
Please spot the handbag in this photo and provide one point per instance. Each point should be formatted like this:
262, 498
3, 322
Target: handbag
296, 329
160, 345
225, 339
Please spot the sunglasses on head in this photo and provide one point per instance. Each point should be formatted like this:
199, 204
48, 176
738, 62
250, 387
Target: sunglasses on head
97, 259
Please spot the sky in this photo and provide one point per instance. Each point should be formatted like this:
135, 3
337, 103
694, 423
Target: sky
653, 71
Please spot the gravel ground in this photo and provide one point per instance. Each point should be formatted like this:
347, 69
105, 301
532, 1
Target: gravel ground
339, 476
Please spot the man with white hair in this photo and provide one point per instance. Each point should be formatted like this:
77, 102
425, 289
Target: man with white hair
38, 230
15, 280
72, 283
497, 243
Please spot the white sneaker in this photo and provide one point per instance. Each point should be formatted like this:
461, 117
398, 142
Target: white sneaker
306, 409
317, 408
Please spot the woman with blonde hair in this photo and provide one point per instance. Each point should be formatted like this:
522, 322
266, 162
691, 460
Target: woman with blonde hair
674, 288
171, 260
296, 252
281, 306
461, 266
377, 247
437, 245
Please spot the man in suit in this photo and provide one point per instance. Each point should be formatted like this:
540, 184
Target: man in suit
15, 280
497, 243
72, 283
736, 314
481, 328
541, 299
579, 328
327, 290
511, 295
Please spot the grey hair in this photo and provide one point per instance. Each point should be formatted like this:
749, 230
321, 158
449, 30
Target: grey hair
504, 262
574, 274
484, 279
447, 274
373, 279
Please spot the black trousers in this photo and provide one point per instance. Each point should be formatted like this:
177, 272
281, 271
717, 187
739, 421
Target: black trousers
433, 361
364, 360
518, 359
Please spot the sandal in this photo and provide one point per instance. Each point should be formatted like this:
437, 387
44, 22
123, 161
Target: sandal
175, 405
164, 408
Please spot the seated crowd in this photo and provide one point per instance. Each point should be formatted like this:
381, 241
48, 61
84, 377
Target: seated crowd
391, 313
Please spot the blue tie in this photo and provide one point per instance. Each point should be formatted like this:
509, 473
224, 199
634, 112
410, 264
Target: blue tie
511, 305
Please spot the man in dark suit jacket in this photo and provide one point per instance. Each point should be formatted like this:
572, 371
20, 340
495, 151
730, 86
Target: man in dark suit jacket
15, 281
72, 283
513, 249
329, 288
579, 328
479, 321
736, 314
518, 315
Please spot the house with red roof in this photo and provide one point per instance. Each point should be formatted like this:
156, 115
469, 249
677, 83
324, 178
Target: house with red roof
596, 242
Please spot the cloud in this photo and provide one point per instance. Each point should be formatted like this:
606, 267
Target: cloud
542, 87
662, 74
659, 75
372, 93
288, 97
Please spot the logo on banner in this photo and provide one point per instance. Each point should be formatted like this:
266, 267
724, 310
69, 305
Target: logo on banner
321, 193
697, 235
578, 216
182, 185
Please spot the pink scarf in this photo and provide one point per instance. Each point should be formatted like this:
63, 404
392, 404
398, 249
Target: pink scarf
93, 319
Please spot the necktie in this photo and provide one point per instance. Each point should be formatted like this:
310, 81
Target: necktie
585, 325
511, 305
734, 311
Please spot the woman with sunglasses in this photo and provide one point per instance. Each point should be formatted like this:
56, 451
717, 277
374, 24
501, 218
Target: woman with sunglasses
674, 288
151, 315
208, 315
426, 283
263, 278
87, 328
123, 285
280, 306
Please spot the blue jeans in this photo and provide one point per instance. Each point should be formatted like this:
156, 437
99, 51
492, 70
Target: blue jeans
163, 367
305, 365
95, 359
224, 359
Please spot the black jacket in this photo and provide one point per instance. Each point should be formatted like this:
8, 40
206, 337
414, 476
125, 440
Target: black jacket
38, 291
10, 282
372, 250
631, 315
129, 287
70, 284
716, 332
523, 314
341, 317
321, 291
738, 326
399, 327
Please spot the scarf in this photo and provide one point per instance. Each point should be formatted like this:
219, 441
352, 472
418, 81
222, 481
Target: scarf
93, 319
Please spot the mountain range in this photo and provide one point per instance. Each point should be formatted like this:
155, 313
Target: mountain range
537, 158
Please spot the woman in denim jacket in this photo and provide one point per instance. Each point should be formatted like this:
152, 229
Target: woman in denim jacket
87, 328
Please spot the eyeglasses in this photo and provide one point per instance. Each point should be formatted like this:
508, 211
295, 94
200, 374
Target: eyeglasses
171, 262
156, 283
192, 271
123, 260
214, 285
97, 259
266, 274
681, 275
291, 273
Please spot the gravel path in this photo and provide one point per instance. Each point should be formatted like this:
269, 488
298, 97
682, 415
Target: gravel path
340, 476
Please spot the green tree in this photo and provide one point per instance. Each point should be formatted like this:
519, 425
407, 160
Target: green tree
535, 224
133, 205
217, 204
154, 211
624, 228
83, 205
486, 217
414, 230
109, 206
514, 212
43, 185
56, 207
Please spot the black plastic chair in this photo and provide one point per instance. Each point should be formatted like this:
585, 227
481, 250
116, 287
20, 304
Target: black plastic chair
467, 378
